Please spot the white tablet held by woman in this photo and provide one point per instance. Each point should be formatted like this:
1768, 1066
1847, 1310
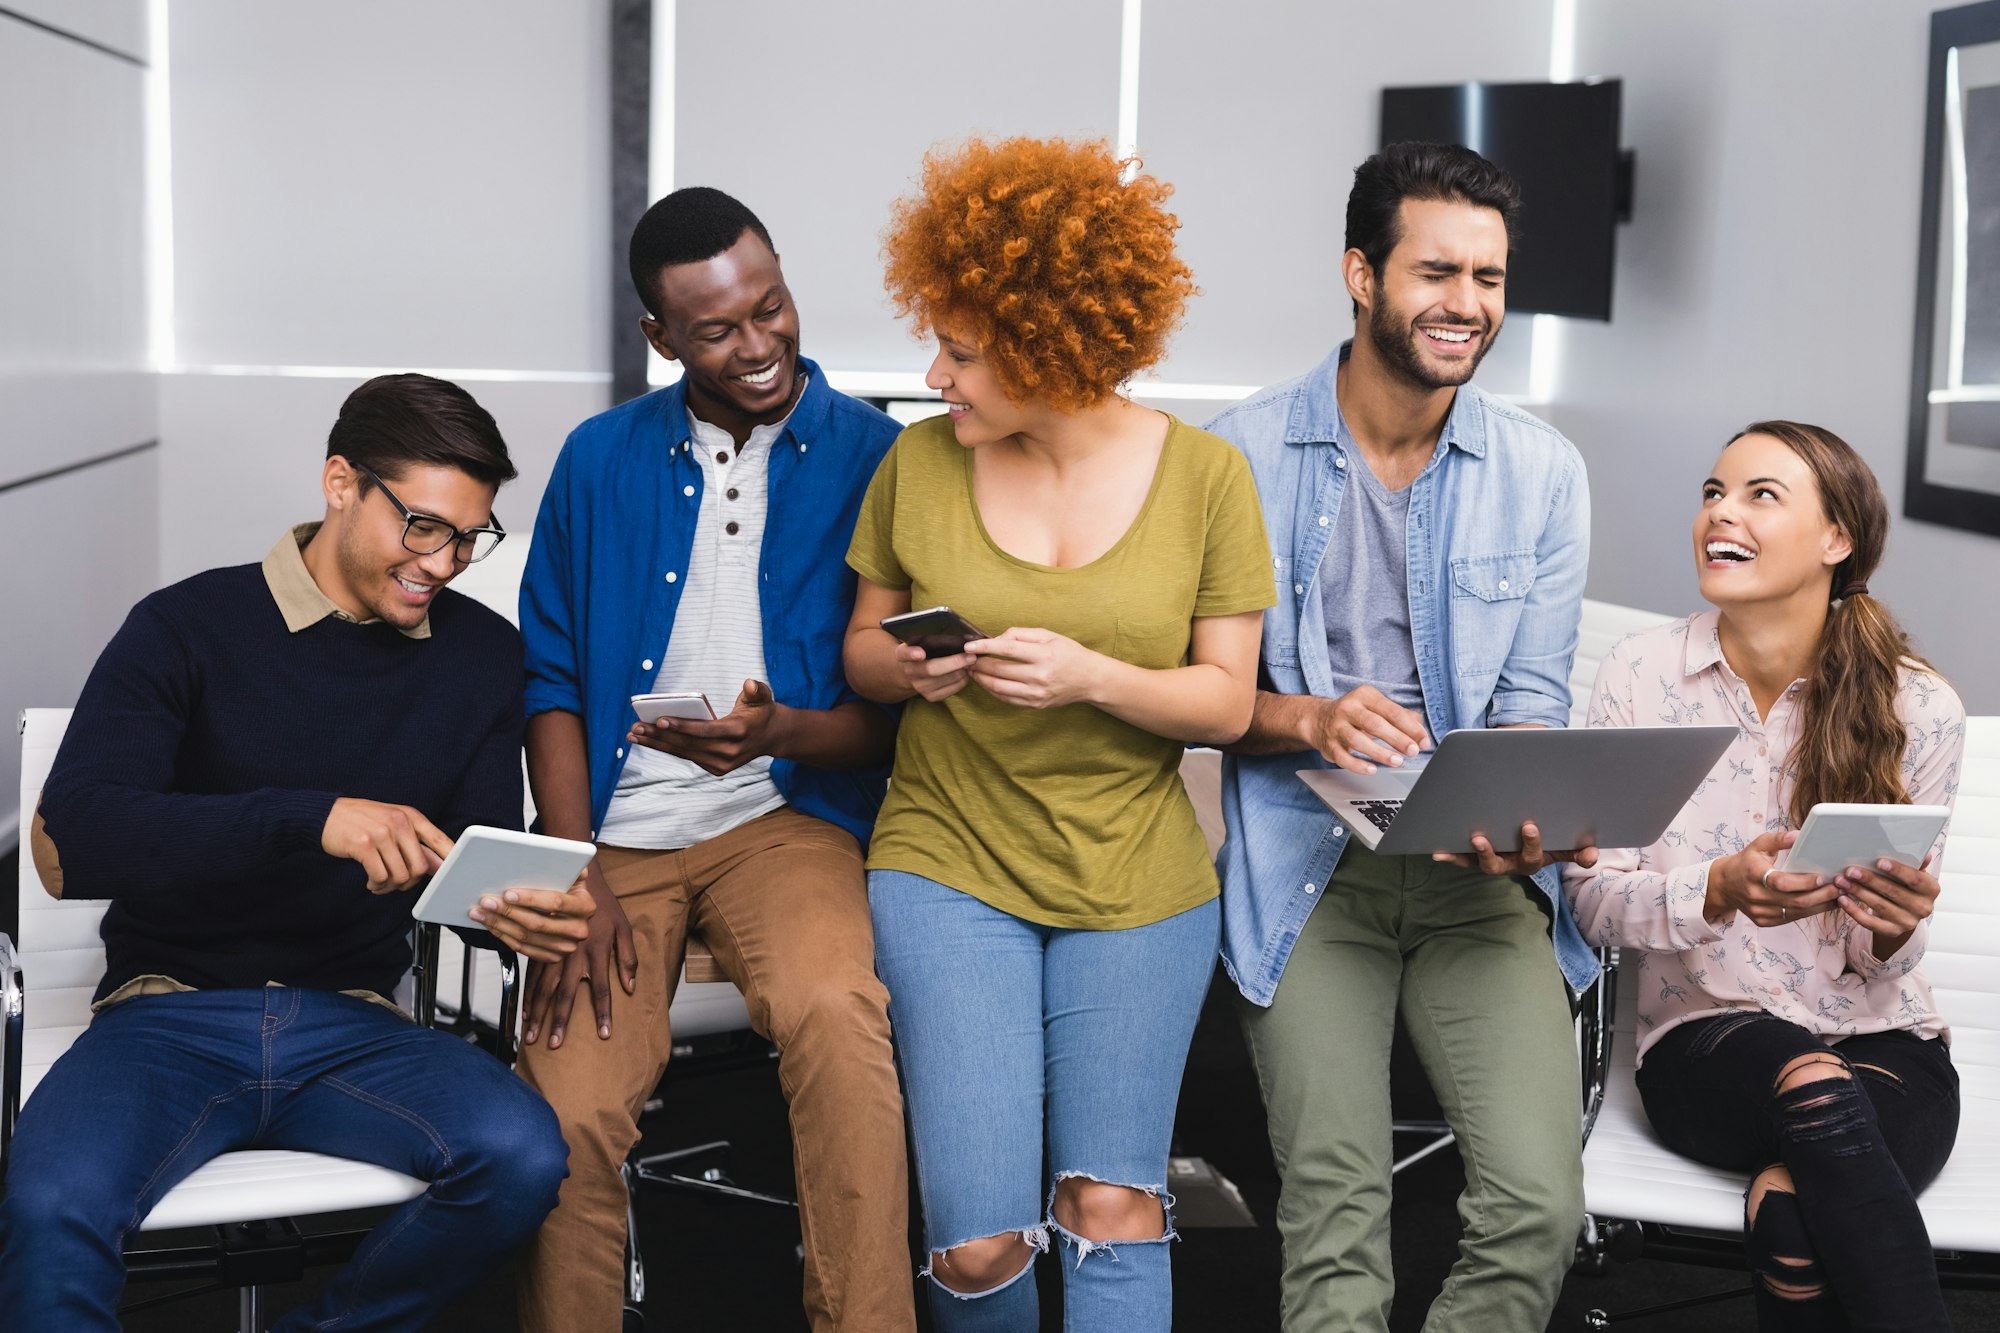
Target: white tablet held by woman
1840, 834
489, 860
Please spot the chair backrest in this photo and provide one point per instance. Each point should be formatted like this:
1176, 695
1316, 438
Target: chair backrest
1604, 624
1963, 959
62, 956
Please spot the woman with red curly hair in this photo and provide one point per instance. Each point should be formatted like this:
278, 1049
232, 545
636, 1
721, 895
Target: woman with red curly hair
1045, 909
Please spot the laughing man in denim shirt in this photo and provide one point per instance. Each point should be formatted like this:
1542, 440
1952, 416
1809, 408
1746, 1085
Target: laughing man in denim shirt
1430, 545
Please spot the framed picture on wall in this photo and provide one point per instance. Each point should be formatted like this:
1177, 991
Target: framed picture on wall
1954, 450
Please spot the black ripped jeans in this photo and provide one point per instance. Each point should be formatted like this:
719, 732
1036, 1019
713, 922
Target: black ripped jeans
1859, 1150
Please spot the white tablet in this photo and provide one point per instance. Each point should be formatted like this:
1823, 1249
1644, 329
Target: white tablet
491, 860
1838, 835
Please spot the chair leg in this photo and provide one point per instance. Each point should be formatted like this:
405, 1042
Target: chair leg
1442, 1138
635, 1264
250, 1310
714, 1180
1601, 1319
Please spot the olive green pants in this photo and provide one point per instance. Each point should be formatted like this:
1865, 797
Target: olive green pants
1466, 959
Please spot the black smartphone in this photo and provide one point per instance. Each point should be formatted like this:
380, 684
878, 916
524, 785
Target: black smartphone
939, 630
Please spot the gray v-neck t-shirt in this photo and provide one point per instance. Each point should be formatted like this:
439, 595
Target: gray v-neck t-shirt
1365, 591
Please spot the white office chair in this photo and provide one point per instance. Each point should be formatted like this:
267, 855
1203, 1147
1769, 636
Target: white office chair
1641, 1198
1604, 624
246, 1199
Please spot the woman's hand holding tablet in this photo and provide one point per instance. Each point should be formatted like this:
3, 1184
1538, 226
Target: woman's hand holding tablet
1879, 859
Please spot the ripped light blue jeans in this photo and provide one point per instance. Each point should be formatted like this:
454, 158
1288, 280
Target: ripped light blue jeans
1001, 1026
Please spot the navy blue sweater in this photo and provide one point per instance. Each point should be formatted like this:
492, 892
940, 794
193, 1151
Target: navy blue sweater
208, 747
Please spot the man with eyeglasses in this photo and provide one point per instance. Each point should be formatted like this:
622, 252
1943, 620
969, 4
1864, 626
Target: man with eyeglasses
261, 764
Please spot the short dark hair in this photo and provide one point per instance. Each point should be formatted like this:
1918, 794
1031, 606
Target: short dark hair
394, 422
1441, 171
686, 227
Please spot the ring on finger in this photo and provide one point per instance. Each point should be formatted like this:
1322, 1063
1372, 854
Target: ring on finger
1766, 880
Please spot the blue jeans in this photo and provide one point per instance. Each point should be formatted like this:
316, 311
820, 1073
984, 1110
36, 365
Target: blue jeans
158, 1085
999, 1022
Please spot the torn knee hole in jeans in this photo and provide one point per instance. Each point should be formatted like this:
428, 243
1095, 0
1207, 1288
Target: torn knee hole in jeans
1826, 1109
1715, 1029
1778, 1235
1035, 1238
1881, 1075
1084, 1245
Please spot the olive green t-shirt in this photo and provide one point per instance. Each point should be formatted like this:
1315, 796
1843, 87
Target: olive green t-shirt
1064, 816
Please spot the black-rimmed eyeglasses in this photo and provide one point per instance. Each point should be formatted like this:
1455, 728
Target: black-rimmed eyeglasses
426, 534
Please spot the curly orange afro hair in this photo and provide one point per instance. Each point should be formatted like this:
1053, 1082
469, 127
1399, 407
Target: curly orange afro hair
1063, 274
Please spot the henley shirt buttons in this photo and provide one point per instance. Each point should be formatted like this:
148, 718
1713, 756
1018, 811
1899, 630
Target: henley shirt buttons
729, 528
732, 492
721, 457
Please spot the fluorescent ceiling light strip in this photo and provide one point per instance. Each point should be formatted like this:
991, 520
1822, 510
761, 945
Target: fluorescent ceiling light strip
1562, 42
1966, 393
1128, 83
910, 384
660, 112
159, 194
370, 372
1545, 332
1544, 357
1954, 154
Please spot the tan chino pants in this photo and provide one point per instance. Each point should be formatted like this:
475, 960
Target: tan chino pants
782, 902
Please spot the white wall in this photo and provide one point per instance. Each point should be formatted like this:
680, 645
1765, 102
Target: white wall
822, 120
1258, 112
1769, 271
376, 185
77, 520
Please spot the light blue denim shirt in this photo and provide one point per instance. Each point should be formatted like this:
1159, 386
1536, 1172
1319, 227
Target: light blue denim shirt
1499, 539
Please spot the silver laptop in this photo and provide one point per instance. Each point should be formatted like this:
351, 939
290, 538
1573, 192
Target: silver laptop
1582, 787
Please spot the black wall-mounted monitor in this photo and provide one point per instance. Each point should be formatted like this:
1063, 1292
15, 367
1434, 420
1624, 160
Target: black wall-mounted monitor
1560, 141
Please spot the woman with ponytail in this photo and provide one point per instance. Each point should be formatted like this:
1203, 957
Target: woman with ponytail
1785, 1027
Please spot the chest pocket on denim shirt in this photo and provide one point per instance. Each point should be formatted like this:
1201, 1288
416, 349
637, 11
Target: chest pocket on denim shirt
1486, 600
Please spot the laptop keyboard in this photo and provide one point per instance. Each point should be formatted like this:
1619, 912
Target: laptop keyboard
1379, 813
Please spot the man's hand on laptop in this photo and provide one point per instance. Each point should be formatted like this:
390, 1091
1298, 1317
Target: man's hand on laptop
607, 949
395, 844
1362, 729
750, 730
547, 925
1527, 861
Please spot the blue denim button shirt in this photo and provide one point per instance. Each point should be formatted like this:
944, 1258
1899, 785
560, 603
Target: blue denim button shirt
606, 571
1499, 539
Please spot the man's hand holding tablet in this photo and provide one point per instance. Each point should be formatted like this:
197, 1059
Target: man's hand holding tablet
504, 880
543, 924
